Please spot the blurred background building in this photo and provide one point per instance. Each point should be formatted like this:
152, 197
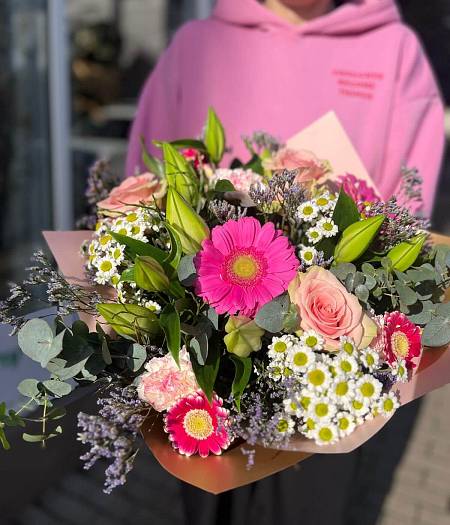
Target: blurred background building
70, 76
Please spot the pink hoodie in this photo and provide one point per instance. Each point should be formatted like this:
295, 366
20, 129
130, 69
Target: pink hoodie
260, 72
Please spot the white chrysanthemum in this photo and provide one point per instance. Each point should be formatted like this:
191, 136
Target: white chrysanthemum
399, 371
358, 406
133, 217
314, 235
285, 425
275, 371
308, 427
370, 359
347, 345
342, 389
388, 404
106, 268
279, 347
318, 377
346, 364
328, 227
299, 358
307, 255
312, 340
153, 306
326, 433
321, 409
117, 252
368, 387
308, 211
122, 228
324, 202
305, 396
105, 242
345, 422
292, 406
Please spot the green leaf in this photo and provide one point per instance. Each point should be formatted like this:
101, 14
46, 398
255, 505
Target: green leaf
135, 247
129, 319
199, 347
214, 137
37, 341
271, 316
137, 358
128, 275
150, 274
223, 185
106, 354
153, 164
29, 388
3, 440
437, 332
362, 293
186, 270
170, 323
81, 329
180, 174
57, 388
189, 143
176, 250
40, 438
341, 271
59, 368
345, 212
206, 375
404, 255
255, 164
356, 238
213, 316
406, 294
243, 370
424, 315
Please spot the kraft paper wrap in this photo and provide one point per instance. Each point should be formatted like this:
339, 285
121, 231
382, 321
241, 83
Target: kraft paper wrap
217, 474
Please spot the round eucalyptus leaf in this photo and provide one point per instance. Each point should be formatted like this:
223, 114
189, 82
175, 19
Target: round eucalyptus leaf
29, 388
57, 388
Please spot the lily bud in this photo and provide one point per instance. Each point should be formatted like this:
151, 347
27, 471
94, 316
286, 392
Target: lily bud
150, 275
190, 227
129, 319
244, 336
356, 238
180, 174
404, 255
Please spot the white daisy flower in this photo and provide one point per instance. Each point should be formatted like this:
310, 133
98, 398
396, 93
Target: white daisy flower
133, 217
305, 397
153, 306
106, 268
292, 406
346, 364
321, 409
342, 389
285, 425
399, 370
326, 433
314, 234
312, 340
308, 211
308, 427
323, 201
347, 345
122, 228
358, 406
275, 371
345, 422
318, 377
388, 404
307, 254
279, 347
299, 358
370, 359
328, 227
117, 252
368, 387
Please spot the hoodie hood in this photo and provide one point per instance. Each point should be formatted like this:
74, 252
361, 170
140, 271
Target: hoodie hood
353, 17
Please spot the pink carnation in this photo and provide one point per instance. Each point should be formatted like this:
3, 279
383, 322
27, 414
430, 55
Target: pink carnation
133, 191
164, 383
357, 189
196, 426
242, 180
244, 266
309, 166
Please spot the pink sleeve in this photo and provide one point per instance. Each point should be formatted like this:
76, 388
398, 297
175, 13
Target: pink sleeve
417, 128
157, 106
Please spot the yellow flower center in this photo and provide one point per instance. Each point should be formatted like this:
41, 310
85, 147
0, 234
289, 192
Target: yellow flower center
316, 377
341, 389
132, 217
344, 423
198, 424
367, 389
105, 239
105, 266
282, 426
400, 344
311, 341
346, 366
321, 409
305, 402
325, 434
348, 347
300, 359
280, 347
308, 210
245, 267
388, 405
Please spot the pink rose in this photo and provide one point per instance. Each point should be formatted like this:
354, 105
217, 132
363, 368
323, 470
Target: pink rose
309, 166
164, 383
324, 305
133, 191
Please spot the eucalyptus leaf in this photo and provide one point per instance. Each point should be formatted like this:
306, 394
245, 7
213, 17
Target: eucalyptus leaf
35, 339
341, 271
29, 388
57, 388
271, 316
362, 293
199, 347
437, 332
406, 294
186, 270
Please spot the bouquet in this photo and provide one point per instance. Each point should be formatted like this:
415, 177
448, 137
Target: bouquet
270, 305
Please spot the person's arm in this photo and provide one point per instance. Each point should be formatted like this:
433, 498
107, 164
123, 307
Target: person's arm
417, 133
157, 107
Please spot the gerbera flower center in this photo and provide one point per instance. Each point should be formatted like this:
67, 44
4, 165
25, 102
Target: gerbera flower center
400, 344
198, 424
245, 267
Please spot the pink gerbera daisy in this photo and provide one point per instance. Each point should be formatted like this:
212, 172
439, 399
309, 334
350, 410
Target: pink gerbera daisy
195, 426
244, 266
402, 339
